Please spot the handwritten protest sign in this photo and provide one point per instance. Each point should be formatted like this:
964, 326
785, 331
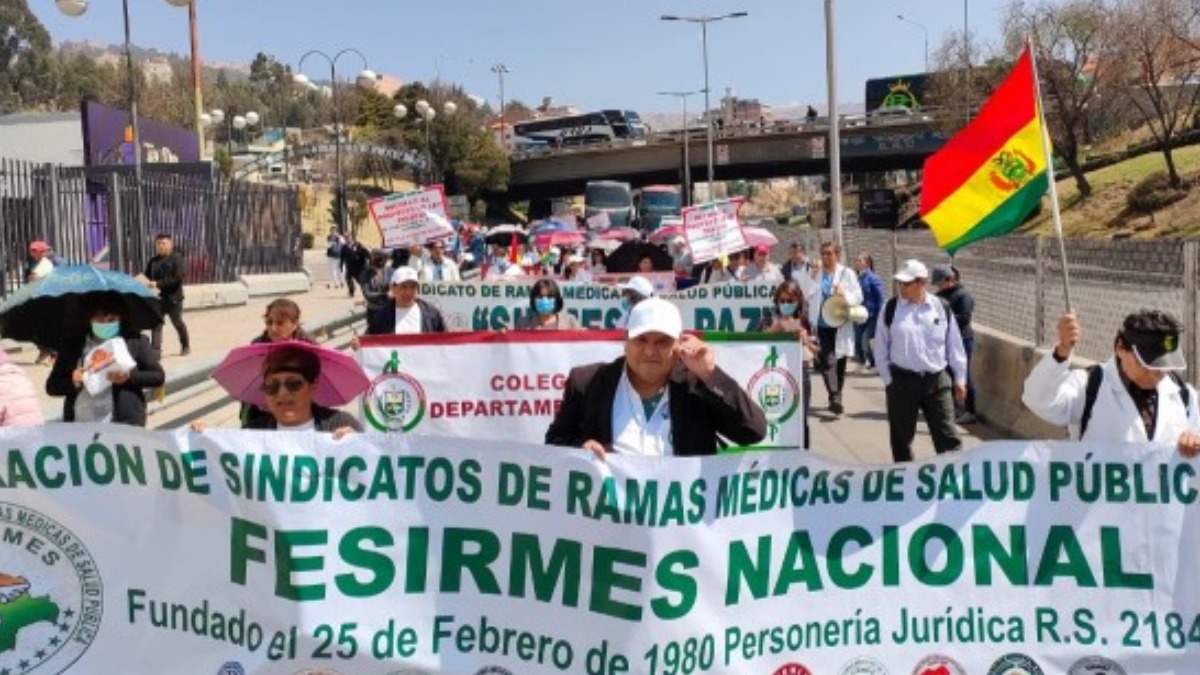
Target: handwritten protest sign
411, 217
713, 229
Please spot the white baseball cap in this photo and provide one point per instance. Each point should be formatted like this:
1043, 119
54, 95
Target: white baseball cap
404, 275
910, 270
639, 285
655, 315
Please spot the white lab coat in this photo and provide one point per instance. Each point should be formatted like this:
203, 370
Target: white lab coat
1056, 393
449, 271
848, 280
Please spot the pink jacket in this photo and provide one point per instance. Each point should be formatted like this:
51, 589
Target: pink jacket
19, 403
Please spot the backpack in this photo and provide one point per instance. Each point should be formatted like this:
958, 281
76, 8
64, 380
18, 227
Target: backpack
1096, 377
889, 313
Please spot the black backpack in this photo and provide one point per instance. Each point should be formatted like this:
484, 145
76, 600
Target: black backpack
1096, 377
889, 313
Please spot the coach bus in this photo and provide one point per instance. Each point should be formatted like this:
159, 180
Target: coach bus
596, 127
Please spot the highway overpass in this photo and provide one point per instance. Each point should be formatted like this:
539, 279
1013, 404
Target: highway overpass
795, 149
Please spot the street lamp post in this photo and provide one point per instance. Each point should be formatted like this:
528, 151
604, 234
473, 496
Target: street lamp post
687, 141
923, 30
365, 77
500, 69
835, 132
427, 113
704, 21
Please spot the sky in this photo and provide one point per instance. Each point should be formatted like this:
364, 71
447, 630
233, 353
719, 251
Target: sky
591, 54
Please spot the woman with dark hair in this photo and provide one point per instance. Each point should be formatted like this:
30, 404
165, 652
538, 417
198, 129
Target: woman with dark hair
282, 322
289, 376
124, 402
546, 303
598, 260
789, 314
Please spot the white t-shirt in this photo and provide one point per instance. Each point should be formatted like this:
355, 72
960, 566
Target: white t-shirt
310, 425
408, 320
633, 432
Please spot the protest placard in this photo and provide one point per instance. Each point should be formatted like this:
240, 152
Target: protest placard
413, 217
713, 229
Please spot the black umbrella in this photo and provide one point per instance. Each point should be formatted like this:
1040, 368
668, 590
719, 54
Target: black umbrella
626, 257
50, 309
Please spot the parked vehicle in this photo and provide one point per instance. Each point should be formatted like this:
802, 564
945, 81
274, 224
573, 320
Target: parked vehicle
596, 127
611, 197
655, 202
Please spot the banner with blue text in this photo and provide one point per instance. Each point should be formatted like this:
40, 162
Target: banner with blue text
290, 552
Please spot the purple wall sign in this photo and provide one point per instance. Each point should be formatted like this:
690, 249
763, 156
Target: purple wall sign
107, 138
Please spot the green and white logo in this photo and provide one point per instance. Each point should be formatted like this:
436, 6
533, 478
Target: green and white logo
395, 401
51, 597
776, 391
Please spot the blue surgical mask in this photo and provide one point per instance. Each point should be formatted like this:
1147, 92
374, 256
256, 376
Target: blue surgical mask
543, 305
553, 259
626, 305
787, 309
106, 331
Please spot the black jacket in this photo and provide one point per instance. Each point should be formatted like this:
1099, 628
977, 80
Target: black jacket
129, 399
698, 411
962, 305
354, 259
325, 420
383, 322
167, 271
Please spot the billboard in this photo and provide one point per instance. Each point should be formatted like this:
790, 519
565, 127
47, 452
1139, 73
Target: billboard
907, 91
107, 138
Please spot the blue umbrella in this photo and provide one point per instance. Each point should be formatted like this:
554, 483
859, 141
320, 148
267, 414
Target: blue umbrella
51, 308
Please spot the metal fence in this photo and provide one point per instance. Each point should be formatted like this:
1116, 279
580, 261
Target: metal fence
103, 215
1018, 288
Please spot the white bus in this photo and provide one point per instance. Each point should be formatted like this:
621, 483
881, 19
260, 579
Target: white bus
597, 127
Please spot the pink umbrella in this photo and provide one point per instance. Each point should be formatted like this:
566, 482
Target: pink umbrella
341, 379
547, 239
617, 234
666, 233
759, 236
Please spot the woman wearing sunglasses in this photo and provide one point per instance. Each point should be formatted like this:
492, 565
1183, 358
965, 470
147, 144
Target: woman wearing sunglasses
288, 384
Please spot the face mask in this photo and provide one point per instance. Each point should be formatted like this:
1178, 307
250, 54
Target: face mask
626, 305
106, 331
787, 308
553, 260
544, 305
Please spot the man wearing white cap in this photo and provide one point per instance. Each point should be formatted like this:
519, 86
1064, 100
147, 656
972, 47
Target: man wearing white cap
1136, 396
406, 314
633, 292
920, 356
665, 397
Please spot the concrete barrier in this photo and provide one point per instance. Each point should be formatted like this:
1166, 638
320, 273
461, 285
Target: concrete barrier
209, 296
259, 285
1000, 366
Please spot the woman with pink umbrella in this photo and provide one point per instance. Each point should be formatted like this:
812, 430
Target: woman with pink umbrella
298, 384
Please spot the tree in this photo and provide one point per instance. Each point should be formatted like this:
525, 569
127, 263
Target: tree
1074, 50
25, 54
1158, 53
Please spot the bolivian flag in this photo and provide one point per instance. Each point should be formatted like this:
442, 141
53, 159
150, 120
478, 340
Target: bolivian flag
990, 175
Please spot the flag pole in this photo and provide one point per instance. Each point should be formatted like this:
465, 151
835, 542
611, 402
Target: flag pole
1047, 150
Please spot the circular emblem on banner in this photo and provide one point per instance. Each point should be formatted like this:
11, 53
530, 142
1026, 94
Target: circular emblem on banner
231, 668
394, 402
51, 597
792, 669
1096, 665
863, 665
1015, 664
776, 392
938, 664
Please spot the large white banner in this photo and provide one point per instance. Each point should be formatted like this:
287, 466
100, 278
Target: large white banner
496, 305
286, 552
413, 217
472, 385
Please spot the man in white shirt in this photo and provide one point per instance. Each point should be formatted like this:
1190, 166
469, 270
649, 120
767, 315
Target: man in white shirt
665, 397
439, 267
921, 359
406, 314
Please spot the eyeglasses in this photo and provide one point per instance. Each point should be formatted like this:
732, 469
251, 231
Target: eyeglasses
292, 385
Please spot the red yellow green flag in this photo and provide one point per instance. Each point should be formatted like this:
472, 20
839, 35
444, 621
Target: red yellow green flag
990, 175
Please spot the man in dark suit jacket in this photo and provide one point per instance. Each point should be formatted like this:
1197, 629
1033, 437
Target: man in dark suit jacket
666, 396
406, 314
